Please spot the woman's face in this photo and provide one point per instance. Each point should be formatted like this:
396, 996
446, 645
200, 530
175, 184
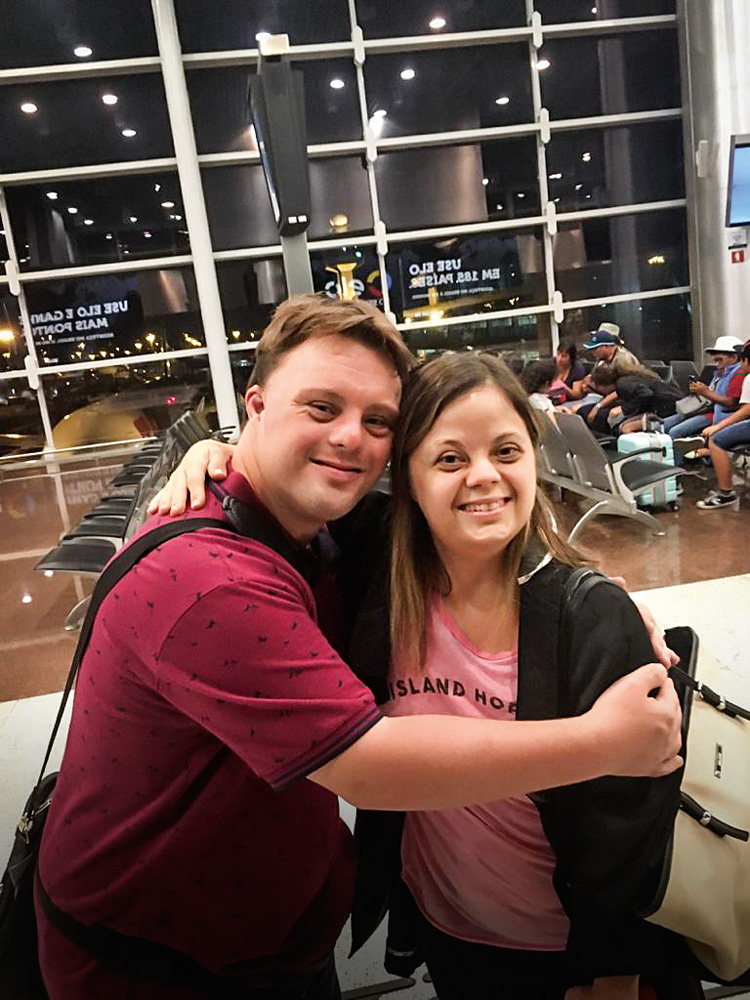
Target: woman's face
474, 475
562, 358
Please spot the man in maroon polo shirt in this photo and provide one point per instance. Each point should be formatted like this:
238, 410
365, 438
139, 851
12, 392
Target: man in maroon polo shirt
214, 722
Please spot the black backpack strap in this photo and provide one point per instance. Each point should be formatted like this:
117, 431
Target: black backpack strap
113, 573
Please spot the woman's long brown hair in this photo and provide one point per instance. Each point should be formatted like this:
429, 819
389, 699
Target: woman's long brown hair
416, 569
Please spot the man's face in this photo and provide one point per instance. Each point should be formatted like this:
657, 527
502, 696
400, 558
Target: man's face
722, 360
319, 431
604, 352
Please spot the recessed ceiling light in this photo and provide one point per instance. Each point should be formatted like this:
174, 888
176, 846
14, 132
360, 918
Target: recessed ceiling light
129, 133
110, 99
578, 187
588, 195
88, 222
380, 113
586, 157
521, 194
82, 51
502, 100
133, 218
555, 200
594, 10
109, 236
408, 73
147, 234
498, 208
52, 195
485, 181
337, 83
543, 64
157, 187
73, 211
29, 108
167, 204
437, 23
555, 177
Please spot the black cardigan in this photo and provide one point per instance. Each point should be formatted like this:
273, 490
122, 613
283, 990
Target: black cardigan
610, 835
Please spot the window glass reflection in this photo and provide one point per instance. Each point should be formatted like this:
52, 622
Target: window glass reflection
12, 345
450, 89
239, 208
465, 275
110, 316
381, 18
125, 401
221, 115
75, 32
563, 11
73, 125
450, 185
611, 75
516, 339
69, 223
654, 329
21, 429
234, 24
614, 256
616, 166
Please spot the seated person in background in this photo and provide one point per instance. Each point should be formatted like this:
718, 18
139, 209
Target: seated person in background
606, 345
733, 430
568, 383
724, 392
536, 378
639, 392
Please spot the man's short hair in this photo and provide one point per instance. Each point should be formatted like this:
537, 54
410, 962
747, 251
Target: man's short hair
301, 317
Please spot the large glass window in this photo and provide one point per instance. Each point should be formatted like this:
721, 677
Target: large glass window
468, 274
516, 339
234, 24
121, 402
656, 329
36, 34
616, 255
563, 11
239, 208
96, 221
12, 345
21, 428
450, 185
447, 89
77, 320
380, 18
73, 124
221, 114
598, 168
611, 74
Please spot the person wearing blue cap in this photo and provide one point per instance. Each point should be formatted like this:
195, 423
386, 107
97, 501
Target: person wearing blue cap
607, 348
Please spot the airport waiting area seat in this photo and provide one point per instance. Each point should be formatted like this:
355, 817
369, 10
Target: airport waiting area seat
572, 459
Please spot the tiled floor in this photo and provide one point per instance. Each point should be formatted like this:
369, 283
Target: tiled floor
697, 573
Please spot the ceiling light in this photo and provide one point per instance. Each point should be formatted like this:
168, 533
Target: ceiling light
521, 194
88, 222
380, 113
133, 218
82, 51
261, 35
555, 200
408, 73
157, 187
109, 236
337, 83
29, 108
502, 101
498, 208
555, 177
593, 10
588, 195
339, 221
578, 187
129, 133
485, 181
73, 211
437, 23
543, 64
179, 218
109, 99
26, 599
52, 195
167, 204
586, 157
147, 234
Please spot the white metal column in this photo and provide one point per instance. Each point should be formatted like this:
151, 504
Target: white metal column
189, 173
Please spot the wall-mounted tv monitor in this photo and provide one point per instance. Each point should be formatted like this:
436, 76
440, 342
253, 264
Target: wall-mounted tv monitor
738, 191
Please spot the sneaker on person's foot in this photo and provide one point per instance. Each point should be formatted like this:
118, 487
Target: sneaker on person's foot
684, 446
716, 500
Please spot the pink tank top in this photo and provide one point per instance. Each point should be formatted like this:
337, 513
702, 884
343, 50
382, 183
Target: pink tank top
480, 873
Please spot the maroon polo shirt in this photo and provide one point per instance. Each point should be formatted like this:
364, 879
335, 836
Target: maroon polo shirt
182, 814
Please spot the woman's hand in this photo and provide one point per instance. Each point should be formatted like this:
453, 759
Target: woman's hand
662, 652
189, 478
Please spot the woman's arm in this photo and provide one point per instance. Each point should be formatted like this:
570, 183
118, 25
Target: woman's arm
188, 480
743, 413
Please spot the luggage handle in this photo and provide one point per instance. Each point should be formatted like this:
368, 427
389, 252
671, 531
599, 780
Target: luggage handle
717, 701
717, 826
